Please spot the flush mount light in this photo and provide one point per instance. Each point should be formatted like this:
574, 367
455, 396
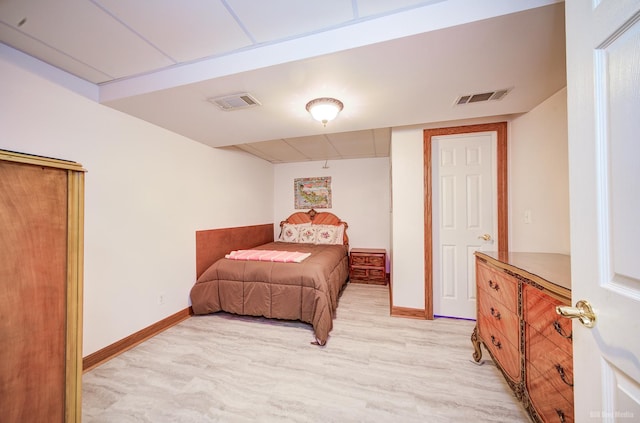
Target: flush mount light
324, 109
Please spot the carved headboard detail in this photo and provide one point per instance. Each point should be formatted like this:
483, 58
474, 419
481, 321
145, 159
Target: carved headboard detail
317, 218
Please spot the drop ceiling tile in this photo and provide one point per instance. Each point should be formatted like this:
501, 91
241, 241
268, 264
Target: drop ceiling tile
280, 151
254, 152
354, 144
212, 30
382, 141
316, 147
51, 56
80, 29
381, 7
274, 19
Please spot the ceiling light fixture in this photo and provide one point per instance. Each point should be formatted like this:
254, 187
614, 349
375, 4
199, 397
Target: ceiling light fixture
324, 109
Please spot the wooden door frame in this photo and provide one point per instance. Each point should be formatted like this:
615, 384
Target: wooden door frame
501, 167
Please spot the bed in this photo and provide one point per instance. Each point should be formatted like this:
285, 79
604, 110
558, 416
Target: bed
299, 276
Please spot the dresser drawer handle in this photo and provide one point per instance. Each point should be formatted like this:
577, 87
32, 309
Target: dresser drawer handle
558, 328
495, 313
560, 415
495, 342
493, 285
563, 376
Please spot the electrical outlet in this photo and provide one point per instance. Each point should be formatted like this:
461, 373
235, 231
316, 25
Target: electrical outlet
527, 216
161, 299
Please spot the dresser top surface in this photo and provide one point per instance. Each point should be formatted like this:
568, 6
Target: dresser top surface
551, 267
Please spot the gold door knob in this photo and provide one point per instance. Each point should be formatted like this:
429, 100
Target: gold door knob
582, 311
485, 237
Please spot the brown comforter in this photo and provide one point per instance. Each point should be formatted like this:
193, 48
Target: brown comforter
306, 291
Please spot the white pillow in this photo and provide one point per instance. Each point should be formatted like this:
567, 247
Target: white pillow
308, 235
329, 234
291, 232
326, 234
339, 235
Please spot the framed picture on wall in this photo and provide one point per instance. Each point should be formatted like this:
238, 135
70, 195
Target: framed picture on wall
312, 192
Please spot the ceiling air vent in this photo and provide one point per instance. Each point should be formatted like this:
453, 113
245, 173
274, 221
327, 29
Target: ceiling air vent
479, 97
235, 101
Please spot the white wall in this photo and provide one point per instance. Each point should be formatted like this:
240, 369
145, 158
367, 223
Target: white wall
147, 191
360, 196
539, 178
538, 181
407, 249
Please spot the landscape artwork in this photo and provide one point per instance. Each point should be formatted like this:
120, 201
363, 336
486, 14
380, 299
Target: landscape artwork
312, 192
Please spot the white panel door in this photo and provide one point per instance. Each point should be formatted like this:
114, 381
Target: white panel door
603, 87
464, 190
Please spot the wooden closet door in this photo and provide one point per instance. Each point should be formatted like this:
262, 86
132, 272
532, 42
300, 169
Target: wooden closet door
33, 296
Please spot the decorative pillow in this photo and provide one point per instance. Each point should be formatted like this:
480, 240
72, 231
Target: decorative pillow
326, 234
291, 232
339, 235
308, 235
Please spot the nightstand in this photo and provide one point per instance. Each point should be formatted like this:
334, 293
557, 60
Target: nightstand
368, 265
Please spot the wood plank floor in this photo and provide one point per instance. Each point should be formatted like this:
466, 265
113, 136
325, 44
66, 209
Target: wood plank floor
374, 368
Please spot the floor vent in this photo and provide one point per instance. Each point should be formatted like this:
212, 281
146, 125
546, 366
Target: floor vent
235, 101
479, 97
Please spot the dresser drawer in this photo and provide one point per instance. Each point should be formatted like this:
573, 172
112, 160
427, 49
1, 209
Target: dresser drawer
506, 354
540, 313
550, 361
548, 403
368, 260
501, 287
498, 316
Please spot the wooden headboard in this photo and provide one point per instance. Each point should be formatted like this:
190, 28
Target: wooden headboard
317, 218
213, 244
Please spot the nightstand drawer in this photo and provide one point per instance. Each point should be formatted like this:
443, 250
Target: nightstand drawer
364, 273
359, 259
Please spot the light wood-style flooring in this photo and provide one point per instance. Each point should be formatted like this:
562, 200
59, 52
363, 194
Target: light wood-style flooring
374, 368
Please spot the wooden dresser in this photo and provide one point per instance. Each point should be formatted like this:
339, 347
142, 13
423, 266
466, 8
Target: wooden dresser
517, 294
368, 265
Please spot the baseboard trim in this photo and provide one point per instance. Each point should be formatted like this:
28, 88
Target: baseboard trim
107, 353
411, 313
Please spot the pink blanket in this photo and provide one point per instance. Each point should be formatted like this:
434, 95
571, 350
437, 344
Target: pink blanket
268, 255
